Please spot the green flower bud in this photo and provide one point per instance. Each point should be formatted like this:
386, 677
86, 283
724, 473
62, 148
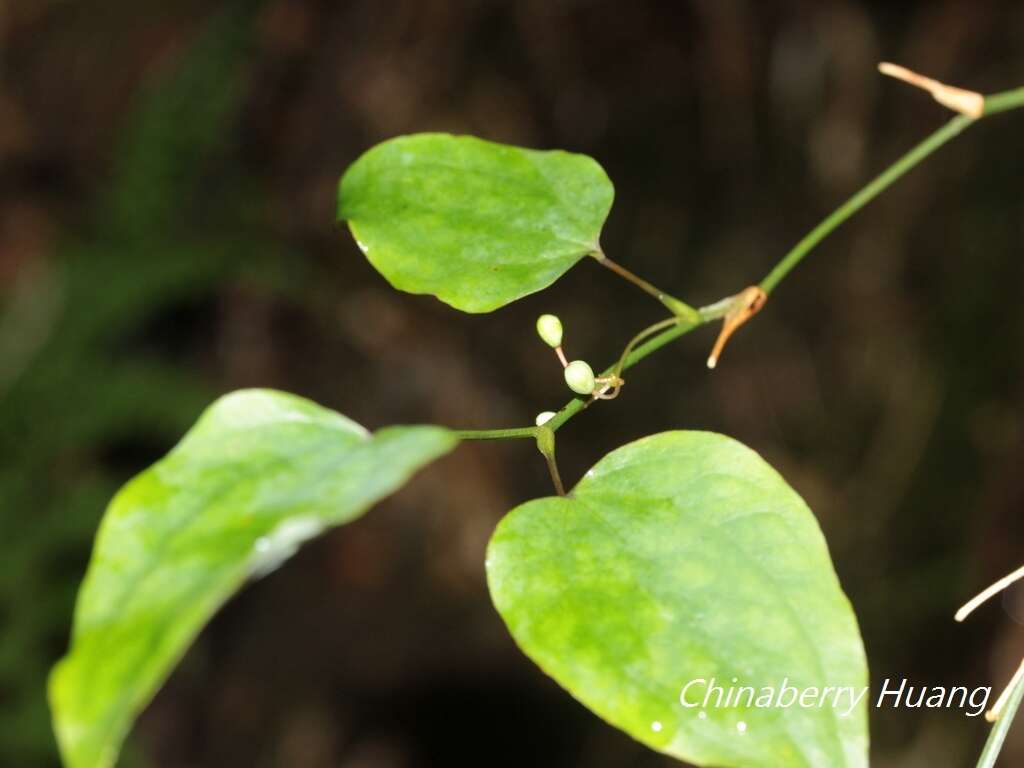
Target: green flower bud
549, 328
543, 418
580, 377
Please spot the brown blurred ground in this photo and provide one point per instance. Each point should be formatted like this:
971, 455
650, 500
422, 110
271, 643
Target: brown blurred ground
167, 181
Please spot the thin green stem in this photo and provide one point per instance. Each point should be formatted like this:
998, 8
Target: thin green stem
495, 434
687, 318
546, 446
646, 332
574, 406
556, 478
998, 102
862, 198
1004, 101
676, 306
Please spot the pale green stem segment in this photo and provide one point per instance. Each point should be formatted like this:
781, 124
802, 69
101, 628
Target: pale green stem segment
1004, 101
686, 318
635, 341
673, 332
862, 198
544, 435
999, 102
676, 328
495, 434
546, 446
676, 306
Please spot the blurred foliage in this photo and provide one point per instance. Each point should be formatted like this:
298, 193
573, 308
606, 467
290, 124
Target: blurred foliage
261, 473
155, 254
85, 395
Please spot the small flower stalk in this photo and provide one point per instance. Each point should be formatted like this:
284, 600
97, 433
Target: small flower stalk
549, 328
579, 375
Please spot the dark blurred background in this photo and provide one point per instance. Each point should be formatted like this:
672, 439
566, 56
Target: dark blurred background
167, 233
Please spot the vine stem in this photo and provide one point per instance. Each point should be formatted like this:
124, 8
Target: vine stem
556, 478
577, 404
635, 342
546, 446
676, 306
686, 318
689, 318
999, 102
495, 434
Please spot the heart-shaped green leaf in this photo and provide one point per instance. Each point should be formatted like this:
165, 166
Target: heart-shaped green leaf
260, 473
680, 557
474, 223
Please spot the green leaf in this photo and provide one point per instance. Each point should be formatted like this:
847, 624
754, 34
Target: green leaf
474, 223
260, 473
678, 557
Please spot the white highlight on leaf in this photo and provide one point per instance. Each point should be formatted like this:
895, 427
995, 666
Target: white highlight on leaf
270, 551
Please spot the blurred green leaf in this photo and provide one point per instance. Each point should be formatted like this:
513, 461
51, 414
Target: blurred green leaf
474, 223
677, 557
161, 175
164, 235
260, 473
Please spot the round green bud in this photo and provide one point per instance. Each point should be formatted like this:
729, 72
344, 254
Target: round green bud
549, 328
580, 377
543, 418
